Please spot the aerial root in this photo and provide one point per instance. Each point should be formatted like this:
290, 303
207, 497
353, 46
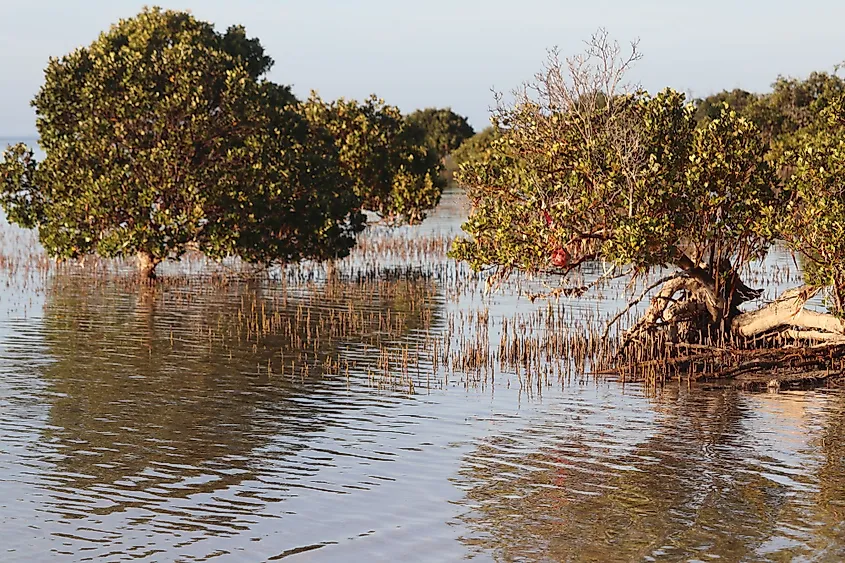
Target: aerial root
783, 367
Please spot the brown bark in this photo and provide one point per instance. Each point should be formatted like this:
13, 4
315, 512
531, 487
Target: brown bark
786, 312
660, 302
147, 266
839, 293
701, 309
729, 296
725, 343
698, 308
815, 336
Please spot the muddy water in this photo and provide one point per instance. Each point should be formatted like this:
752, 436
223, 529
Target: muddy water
320, 419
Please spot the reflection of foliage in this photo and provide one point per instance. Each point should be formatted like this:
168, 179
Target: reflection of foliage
831, 498
444, 129
689, 491
201, 378
141, 386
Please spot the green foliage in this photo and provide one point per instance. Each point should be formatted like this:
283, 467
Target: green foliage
19, 195
814, 223
477, 148
795, 104
792, 106
733, 190
162, 136
386, 158
802, 122
630, 180
444, 129
577, 174
711, 107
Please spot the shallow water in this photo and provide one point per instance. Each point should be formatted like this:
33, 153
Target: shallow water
315, 419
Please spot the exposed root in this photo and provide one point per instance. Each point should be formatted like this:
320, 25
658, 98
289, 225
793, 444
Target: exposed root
634, 302
147, 266
687, 332
654, 315
782, 367
814, 336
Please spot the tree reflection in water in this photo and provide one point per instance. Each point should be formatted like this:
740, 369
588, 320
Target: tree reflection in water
171, 406
715, 475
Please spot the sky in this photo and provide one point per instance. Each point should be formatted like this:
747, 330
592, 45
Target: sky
452, 53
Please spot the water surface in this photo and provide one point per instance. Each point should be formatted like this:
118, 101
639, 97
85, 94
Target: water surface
317, 418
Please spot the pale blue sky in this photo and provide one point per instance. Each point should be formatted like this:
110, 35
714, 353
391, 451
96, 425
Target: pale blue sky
452, 52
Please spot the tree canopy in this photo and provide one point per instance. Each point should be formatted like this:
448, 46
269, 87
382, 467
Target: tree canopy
792, 106
476, 148
444, 129
803, 123
392, 169
164, 135
628, 179
814, 223
590, 169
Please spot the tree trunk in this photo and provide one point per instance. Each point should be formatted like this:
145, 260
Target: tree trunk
839, 293
656, 312
331, 270
147, 266
701, 309
732, 291
693, 325
787, 311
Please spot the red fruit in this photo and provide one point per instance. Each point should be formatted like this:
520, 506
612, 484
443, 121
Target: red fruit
560, 257
548, 218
